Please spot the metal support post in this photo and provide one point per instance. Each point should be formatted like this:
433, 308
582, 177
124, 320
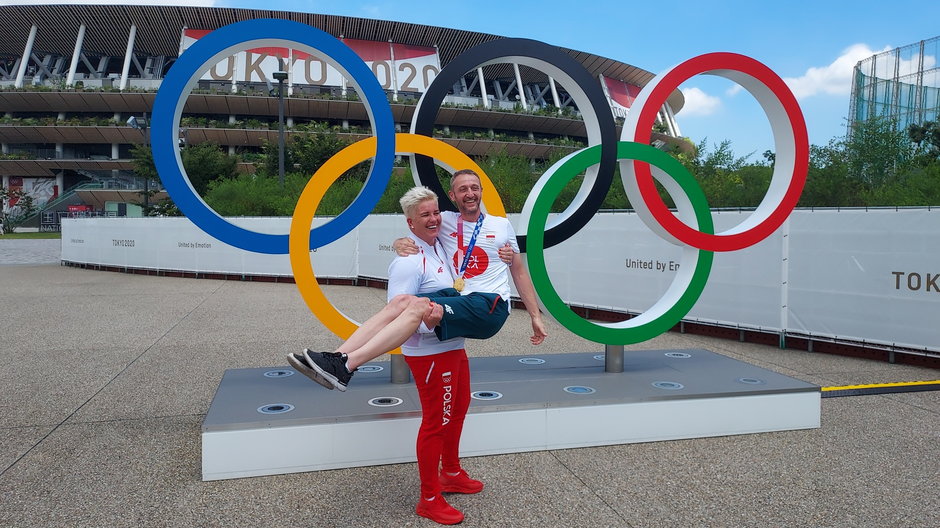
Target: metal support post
281, 76
147, 177
613, 358
400, 371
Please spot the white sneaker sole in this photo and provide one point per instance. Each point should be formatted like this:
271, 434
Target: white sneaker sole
299, 366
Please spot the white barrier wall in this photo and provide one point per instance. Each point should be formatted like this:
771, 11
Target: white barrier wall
617, 262
874, 274
871, 276
178, 244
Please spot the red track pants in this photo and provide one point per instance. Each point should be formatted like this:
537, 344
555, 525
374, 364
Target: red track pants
443, 382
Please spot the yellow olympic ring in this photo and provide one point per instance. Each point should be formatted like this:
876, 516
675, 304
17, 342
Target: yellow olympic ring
299, 239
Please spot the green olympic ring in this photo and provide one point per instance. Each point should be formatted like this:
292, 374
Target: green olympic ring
693, 271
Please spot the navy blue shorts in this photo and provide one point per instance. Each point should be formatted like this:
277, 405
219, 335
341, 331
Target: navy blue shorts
475, 315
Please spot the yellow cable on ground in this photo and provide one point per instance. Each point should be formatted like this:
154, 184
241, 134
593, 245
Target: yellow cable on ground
881, 385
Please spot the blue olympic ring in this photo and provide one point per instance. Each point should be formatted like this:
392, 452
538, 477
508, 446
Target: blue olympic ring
218, 44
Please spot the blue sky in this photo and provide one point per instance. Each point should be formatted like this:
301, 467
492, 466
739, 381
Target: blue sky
812, 45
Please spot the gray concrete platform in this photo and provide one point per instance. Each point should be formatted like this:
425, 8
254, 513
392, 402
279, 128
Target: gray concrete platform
516, 383
106, 379
518, 404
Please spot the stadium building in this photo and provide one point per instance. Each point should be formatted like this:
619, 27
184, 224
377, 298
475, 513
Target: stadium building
902, 84
78, 81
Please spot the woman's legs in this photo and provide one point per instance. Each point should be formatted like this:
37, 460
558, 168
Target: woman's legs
438, 380
384, 331
450, 454
398, 305
431, 432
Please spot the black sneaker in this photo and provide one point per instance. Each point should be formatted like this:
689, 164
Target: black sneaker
330, 368
299, 362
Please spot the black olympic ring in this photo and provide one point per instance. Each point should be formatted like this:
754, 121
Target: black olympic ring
564, 65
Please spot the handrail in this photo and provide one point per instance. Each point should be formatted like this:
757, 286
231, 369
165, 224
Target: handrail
70, 192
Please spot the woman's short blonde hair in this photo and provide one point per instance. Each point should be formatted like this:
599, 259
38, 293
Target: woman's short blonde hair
414, 197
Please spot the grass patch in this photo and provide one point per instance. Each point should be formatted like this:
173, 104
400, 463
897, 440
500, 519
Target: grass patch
11, 236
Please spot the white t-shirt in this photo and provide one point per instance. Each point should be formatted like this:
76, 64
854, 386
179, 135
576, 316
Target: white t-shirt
424, 272
485, 271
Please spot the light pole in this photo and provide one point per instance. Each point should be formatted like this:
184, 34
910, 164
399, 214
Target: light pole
141, 125
281, 76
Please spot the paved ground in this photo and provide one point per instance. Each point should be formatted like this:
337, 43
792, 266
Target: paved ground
106, 377
29, 251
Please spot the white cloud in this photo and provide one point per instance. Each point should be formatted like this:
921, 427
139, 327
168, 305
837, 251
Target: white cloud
699, 103
834, 79
887, 65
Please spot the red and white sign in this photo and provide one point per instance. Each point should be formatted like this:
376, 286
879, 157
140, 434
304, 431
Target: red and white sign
398, 67
16, 184
621, 95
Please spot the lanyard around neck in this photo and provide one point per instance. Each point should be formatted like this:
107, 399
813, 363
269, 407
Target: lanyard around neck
461, 255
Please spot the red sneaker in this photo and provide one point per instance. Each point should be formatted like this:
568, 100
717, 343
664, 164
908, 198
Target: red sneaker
438, 510
459, 483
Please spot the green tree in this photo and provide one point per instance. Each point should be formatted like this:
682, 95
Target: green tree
142, 157
246, 195
753, 183
207, 162
616, 197
203, 163
827, 181
927, 138
513, 177
399, 183
164, 207
877, 152
262, 195
929, 133
726, 179
916, 187
307, 151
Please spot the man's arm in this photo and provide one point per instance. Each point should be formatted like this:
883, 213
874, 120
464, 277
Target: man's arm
520, 277
404, 278
404, 247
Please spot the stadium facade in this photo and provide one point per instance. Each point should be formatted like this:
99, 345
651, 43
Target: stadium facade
72, 77
902, 84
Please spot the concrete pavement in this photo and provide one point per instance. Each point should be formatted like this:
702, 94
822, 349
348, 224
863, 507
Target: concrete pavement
106, 378
29, 251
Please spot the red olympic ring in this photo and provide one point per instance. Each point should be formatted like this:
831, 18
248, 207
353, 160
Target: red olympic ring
790, 139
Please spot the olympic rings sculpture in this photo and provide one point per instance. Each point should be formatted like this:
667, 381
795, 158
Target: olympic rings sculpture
690, 226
